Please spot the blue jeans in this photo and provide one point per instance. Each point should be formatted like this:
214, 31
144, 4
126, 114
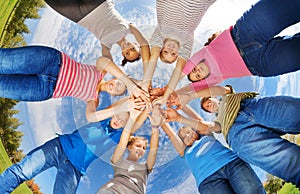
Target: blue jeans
29, 73
255, 135
235, 177
38, 160
254, 34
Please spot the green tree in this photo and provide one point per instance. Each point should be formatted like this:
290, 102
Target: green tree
273, 184
289, 188
25, 9
10, 136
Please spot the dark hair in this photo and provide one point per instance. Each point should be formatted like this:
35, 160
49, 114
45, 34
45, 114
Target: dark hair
124, 61
211, 38
203, 100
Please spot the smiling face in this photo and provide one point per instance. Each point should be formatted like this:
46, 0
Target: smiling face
201, 71
188, 135
131, 51
118, 121
115, 87
211, 105
169, 51
137, 148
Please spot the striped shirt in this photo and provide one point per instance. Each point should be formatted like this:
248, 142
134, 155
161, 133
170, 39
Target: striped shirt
229, 109
178, 19
77, 80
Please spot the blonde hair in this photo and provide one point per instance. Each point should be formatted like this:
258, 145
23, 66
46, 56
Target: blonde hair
132, 139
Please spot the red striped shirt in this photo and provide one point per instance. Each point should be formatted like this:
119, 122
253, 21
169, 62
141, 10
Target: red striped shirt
77, 80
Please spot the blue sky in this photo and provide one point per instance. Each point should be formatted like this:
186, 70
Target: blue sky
42, 120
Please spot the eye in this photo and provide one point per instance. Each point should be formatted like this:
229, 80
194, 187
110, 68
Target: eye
133, 48
165, 52
174, 54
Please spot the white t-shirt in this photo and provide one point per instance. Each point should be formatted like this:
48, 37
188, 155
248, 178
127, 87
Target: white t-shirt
106, 24
178, 19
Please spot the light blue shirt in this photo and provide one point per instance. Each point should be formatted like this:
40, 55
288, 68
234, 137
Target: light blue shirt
206, 156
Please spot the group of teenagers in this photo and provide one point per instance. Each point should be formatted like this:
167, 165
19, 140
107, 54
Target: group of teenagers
252, 126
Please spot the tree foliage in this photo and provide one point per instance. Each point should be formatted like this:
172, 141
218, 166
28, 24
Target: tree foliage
289, 188
10, 136
273, 184
25, 9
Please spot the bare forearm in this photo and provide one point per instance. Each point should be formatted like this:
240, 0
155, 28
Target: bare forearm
175, 140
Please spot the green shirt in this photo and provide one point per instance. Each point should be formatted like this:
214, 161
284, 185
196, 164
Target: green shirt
229, 109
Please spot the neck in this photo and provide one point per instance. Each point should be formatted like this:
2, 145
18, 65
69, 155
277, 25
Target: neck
131, 158
120, 42
101, 86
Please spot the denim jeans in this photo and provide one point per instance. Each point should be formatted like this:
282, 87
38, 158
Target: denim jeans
254, 34
255, 135
38, 160
29, 73
235, 177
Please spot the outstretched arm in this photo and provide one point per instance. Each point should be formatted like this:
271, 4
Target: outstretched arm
106, 52
150, 69
176, 76
92, 115
113, 69
156, 121
144, 44
175, 139
201, 126
180, 100
121, 147
191, 112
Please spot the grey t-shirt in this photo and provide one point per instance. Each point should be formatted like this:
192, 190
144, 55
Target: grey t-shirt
129, 177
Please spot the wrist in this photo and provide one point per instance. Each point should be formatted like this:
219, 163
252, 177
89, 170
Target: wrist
155, 126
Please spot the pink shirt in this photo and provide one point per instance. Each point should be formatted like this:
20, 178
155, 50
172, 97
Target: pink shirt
77, 80
223, 59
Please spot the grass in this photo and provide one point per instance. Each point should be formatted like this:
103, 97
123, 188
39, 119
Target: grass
5, 163
6, 11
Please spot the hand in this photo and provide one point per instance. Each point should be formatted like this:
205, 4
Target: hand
178, 100
156, 118
170, 115
157, 91
133, 103
139, 93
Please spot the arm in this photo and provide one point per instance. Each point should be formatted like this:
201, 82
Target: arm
106, 52
174, 138
201, 126
113, 69
180, 100
176, 76
145, 49
156, 120
191, 112
122, 145
92, 115
155, 51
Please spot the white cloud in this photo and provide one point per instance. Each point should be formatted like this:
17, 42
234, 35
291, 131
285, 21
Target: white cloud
46, 31
42, 117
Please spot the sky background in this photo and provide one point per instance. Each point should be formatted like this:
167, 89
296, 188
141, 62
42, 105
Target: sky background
43, 120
